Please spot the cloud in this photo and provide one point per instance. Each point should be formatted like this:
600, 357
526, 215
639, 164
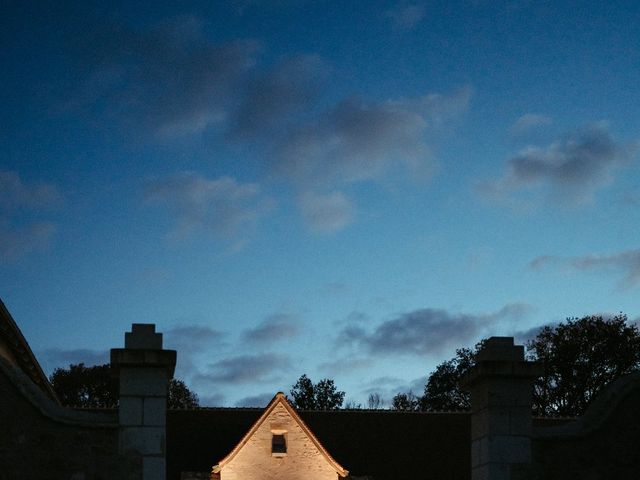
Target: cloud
406, 17
21, 205
169, 80
244, 369
279, 326
345, 365
326, 213
15, 195
528, 122
61, 358
258, 401
17, 241
357, 140
428, 331
275, 95
625, 263
211, 400
573, 168
191, 341
221, 205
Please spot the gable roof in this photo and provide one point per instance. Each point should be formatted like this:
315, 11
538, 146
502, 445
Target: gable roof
388, 444
19, 353
281, 399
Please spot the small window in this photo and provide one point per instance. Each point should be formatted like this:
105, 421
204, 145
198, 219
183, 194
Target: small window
278, 444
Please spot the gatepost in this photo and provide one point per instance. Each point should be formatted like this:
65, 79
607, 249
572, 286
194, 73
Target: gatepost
144, 370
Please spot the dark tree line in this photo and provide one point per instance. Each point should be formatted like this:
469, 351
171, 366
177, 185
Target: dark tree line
96, 387
579, 357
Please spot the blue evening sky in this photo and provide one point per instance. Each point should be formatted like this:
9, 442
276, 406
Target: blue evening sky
345, 189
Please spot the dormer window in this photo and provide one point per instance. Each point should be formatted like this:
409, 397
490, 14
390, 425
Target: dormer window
278, 444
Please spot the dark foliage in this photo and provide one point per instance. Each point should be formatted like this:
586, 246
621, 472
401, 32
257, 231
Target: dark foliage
442, 391
406, 402
322, 396
580, 356
96, 387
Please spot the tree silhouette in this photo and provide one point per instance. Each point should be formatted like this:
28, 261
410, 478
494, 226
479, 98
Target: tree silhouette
96, 387
579, 358
322, 396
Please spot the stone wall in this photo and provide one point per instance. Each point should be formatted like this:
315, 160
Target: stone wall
303, 460
604, 444
42, 440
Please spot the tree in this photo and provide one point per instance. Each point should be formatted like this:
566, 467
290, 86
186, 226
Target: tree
406, 402
442, 390
180, 396
375, 401
322, 396
85, 387
579, 358
96, 387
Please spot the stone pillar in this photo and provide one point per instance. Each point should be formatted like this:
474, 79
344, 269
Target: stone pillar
501, 386
144, 370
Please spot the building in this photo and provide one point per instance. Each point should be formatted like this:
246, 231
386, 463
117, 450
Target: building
497, 440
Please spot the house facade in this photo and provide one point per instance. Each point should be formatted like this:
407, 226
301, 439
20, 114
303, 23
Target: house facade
279, 446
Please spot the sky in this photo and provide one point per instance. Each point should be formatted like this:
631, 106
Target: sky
348, 190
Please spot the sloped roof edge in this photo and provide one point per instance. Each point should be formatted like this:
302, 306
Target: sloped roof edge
22, 351
280, 398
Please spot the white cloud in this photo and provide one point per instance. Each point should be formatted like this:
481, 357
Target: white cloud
625, 263
21, 205
406, 17
221, 205
326, 213
529, 122
357, 140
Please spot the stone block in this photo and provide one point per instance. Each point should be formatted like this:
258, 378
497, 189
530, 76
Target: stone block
143, 382
155, 411
153, 468
143, 335
509, 449
144, 440
496, 421
130, 411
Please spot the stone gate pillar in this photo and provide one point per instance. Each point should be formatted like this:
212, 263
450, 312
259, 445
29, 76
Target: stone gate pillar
144, 370
501, 386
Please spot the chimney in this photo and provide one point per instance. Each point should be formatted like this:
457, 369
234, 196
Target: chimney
144, 370
501, 386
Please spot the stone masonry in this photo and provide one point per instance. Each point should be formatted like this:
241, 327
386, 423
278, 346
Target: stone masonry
144, 371
501, 386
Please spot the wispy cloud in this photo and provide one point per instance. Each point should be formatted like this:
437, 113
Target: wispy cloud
53, 358
572, 169
259, 401
221, 205
191, 342
625, 263
275, 96
529, 122
243, 369
326, 213
357, 140
167, 81
22, 231
275, 327
428, 331
406, 17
